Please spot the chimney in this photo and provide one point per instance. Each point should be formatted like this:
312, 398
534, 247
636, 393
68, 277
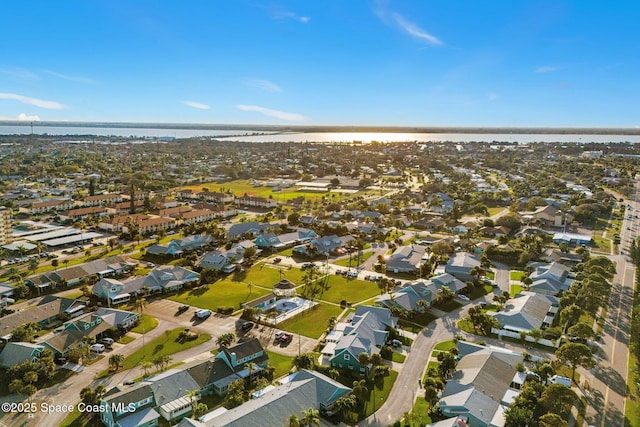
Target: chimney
233, 359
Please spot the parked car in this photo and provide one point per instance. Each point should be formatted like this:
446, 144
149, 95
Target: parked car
60, 360
396, 343
463, 297
352, 274
182, 309
107, 341
286, 338
97, 348
278, 335
203, 313
247, 326
277, 260
558, 379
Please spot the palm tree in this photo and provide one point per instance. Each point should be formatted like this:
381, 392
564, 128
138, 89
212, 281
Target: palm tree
225, 340
251, 366
422, 305
115, 361
141, 303
311, 417
145, 366
294, 421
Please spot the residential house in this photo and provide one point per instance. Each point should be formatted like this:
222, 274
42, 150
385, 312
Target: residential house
406, 259
153, 225
274, 405
177, 247
308, 219
550, 279
257, 202
525, 312
83, 213
15, 353
166, 278
49, 311
485, 383
219, 260
102, 199
408, 296
572, 239
219, 210
286, 240
50, 205
214, 197
323, 245
252, 228
119, 223
461, 264
368, 331
125, 207
167, 394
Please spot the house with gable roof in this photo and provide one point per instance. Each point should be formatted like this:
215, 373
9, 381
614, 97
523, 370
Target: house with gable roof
485, 383
15, 353
460, 265
368, 331
550, 279
406, 259
525, 312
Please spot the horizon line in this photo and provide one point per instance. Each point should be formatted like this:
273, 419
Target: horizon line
329, 128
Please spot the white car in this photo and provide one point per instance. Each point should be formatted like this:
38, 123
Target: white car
203, 313
463, 297
97, 348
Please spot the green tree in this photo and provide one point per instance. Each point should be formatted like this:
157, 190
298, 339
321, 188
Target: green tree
116, 361
310, 417
552, 420
581, 330
235, 394
304, 361
574, 355
558, 399
447, 364
225, 340
518, 417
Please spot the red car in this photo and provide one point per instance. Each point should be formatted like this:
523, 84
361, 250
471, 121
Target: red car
286, 338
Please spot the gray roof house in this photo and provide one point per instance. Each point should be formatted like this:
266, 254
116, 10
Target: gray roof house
219, 260
483, 386
273, 241
550, 279
367, 332
273, 407
166, 394
406, 259
166, 278
407, 297
527, 311
177, 247
254, 228
15, 353
323, 245
460, 265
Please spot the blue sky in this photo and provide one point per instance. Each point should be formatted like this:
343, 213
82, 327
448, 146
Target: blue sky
334, 62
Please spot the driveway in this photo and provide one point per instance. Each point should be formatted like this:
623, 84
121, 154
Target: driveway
501, 276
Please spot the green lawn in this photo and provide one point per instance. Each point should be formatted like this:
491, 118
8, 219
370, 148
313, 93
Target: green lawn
344, 262
225, 293
146, 324
166, 344
494, 211
398, 357
445, 345
420, 414
632, 408
125, 339
379, 393
515, 289
313, 322
448, 305
516, 275
477, 292
74, 295
281, 363
267, 275
340, 288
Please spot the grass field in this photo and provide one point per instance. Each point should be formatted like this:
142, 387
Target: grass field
516, 275
125, 339
632, 408
225, 293
241, 186
146, 324
379, 394
265, 274
311, 323
445, 345
166, 344
345, 261
282, 364
420, 414
515, 289
398, 357
79, 419
341, 288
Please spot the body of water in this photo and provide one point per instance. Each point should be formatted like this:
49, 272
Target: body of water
327, 137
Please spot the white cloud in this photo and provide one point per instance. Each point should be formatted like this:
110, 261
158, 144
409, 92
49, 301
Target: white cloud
197, 105
282, 115
19, 74
263, 84
50, 105
70, 78
23, 118
492, 96
396, 20
282, 15
546, 69
414, 30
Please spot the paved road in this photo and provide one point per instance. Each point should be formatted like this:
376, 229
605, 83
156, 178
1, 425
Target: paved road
609, 378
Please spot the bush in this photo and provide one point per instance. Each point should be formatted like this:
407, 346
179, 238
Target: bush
225, 310
386, 353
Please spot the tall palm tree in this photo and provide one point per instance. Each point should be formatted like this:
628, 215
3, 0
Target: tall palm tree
251, 366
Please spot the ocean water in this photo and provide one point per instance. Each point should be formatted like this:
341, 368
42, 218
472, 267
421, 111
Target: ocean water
326, 137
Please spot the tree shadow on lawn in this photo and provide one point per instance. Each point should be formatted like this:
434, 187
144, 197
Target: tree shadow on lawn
158, 348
